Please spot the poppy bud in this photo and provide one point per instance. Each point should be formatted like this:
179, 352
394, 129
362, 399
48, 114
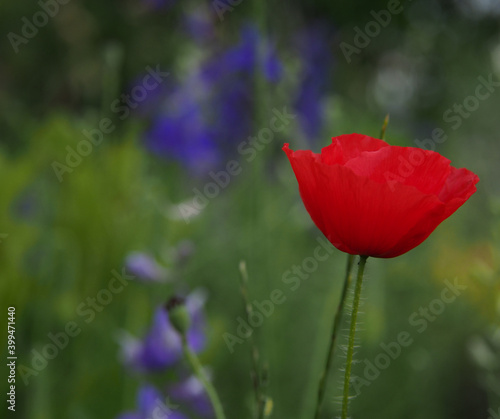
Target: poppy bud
178, 314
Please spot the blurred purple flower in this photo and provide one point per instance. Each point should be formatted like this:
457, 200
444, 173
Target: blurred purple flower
161, 347
184, 140
316, 56
151, 404
145, 267
180, 132
191, 392
243, 58
206, 117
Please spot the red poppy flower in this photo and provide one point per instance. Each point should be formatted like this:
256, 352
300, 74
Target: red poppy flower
372, 199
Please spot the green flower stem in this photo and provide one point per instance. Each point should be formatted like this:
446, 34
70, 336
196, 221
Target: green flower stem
350, 348
200, 374
335, 330
384, 127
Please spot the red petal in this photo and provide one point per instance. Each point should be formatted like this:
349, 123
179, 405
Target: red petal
458, 188
349, 146
423, 169
350, 199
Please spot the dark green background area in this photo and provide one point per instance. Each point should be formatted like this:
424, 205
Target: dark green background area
427, 60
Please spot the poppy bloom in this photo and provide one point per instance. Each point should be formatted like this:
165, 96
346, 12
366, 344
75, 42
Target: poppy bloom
372, 199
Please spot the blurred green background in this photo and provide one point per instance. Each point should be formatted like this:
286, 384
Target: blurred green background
230, 64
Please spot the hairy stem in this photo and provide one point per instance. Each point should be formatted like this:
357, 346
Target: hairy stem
352, 332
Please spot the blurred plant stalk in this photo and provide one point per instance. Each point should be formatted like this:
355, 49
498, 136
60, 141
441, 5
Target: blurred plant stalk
261, 400
181, 320
200, 374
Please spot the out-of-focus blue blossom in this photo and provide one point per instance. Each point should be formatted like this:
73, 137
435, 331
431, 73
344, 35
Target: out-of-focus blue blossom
145, 267
244, 58
151, 404
208, 115
162, 348
316, 57
191, 392
154, 98
180, 132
